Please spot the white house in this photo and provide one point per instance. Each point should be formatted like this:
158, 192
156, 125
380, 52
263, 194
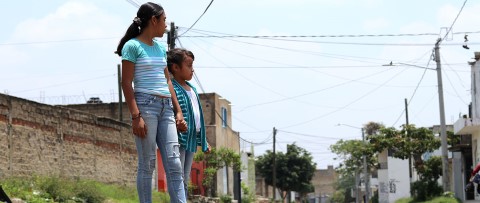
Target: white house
467, 153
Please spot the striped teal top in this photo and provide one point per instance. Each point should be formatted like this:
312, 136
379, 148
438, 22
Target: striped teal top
150, 63
191, 139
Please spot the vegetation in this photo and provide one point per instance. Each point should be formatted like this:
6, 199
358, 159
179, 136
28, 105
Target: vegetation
40, 189
406, 142
295, 170
215, 160
248, 195
435, 200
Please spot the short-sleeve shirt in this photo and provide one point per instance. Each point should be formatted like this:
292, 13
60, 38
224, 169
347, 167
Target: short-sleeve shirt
150, 63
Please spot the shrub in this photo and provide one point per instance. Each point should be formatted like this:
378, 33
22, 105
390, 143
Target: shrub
225, 199
426, 190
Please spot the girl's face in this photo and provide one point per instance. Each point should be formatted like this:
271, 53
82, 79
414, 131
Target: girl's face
185, 70
159, 24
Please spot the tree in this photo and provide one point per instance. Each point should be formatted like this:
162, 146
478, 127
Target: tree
295, 170
215, 160
406, 142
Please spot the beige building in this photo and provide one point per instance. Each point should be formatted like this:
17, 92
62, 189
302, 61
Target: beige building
324, 181
217, 113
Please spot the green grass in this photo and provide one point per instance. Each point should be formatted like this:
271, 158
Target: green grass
55, 189
435, 200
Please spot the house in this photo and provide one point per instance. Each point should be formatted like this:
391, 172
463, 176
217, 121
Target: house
465, 153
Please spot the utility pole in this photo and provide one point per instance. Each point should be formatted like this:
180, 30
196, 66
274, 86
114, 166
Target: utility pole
120, 102
443, 131
365, 170
408, 136
274, 180
172, 36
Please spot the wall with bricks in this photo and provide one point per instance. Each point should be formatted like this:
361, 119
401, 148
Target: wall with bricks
42, 139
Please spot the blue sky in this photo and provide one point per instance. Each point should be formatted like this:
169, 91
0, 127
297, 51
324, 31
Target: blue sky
62, 52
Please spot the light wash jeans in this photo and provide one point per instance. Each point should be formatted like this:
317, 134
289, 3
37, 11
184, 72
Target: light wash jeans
186, 158
161, 130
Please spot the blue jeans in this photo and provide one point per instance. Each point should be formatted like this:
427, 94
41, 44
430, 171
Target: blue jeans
161, 130
186, 158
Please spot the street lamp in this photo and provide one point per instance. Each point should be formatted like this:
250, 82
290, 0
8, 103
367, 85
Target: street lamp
366, 176
443, 129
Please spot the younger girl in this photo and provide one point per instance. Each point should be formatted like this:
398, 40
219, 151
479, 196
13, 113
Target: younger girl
180, 64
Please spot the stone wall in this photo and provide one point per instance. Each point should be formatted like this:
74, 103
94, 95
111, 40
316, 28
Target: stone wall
42, 139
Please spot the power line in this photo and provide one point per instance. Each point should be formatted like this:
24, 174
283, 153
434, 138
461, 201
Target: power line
312, 92
206, 9
414, 91
62, 84
225, 35
309, 135
454, 21
347, 105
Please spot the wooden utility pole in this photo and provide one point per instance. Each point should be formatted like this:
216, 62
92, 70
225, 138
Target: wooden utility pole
274, 180
120, 96
172, 36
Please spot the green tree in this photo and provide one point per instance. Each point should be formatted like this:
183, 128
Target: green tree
295, 170
215, 160
406, 142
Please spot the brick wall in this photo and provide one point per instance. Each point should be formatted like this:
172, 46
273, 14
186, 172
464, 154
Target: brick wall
52, 140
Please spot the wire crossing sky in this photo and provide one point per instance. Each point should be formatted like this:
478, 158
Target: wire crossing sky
299, 66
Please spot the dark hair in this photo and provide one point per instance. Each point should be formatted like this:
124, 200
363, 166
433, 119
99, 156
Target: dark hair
177, 56
144, 14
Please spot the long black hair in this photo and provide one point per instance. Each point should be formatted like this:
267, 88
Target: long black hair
144, 14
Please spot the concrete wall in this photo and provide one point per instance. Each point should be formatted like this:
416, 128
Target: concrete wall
49, 140
393, 178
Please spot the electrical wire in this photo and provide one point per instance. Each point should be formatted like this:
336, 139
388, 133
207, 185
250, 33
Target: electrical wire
345, 106
62, 84
453, 23
206, 9
414, 91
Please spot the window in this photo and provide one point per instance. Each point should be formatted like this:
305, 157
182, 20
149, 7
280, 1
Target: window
224, 117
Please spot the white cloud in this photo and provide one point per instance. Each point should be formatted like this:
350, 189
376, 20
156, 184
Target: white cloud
72, 20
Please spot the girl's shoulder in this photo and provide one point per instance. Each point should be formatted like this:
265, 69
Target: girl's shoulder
133, 42
160, 45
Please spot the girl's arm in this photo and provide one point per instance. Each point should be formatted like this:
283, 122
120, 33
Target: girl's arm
138, 125
179, 120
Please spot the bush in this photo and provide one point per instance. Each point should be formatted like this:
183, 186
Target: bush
57, 189
225, 199
248, 196
426, 190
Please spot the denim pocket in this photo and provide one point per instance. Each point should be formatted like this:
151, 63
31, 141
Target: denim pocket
144, 99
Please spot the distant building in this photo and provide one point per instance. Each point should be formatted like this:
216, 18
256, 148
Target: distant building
324, 182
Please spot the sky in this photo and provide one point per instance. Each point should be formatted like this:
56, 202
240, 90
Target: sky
61, 52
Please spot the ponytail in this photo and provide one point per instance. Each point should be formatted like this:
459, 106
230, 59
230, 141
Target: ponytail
132, 32
144, 13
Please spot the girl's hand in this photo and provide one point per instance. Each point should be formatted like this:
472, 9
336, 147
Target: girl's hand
139, 127
180, 122
209, 148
